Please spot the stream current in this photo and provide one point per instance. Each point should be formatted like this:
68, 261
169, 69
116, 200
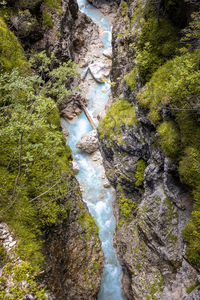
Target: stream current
91, 175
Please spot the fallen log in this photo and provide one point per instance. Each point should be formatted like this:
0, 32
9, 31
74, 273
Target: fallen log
87, 114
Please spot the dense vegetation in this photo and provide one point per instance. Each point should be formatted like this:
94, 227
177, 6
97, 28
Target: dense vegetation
30, 134
35, 166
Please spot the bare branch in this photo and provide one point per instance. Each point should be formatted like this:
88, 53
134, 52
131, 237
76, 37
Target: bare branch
53, 186
59, 197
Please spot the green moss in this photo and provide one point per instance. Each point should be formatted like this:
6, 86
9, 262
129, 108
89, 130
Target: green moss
47, 19
157, 43
131, 79
190, 174
53, 4
139, 175
11, 52
96, 265
192, 287
126, 207
169, 138
124, 8
120, 113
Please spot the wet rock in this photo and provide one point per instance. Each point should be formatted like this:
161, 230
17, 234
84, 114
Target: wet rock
107, 184
108, 53
89, 142
100, 70
75, 167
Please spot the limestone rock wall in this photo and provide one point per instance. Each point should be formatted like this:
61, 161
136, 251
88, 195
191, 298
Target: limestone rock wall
149, 242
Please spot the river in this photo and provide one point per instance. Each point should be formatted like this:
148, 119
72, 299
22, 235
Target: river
91, 176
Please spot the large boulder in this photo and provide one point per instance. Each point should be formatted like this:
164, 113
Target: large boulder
100, 69
89, 142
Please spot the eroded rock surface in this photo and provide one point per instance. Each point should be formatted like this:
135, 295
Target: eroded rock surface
74, 259
149, 241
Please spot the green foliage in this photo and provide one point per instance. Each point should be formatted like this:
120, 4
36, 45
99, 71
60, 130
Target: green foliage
139, 175
11, 52
169, 138
124, 8
157, 43
120, 113
176, 83
35, 166
54, 79
47, 19
19, 280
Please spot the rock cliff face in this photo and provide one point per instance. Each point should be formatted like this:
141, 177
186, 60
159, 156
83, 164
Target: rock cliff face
74, 259
153, 207
58, 27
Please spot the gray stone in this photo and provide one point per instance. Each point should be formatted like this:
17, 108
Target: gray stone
100, 70
89, 142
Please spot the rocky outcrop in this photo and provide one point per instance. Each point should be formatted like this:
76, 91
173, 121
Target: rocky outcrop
74, 259
148, 238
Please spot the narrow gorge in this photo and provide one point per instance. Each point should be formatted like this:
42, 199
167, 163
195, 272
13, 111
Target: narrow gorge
100, 149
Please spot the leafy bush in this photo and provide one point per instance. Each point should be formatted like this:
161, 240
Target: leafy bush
35, 167
157, 42
175, 83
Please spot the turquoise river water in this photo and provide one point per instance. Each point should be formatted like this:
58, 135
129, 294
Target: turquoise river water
91, 178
